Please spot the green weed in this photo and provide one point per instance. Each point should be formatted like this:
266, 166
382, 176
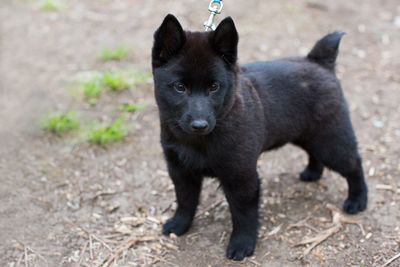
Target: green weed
51, 5
60, 123
92, 84
116, 81
105, 135
127, 107
92, 90
118, 53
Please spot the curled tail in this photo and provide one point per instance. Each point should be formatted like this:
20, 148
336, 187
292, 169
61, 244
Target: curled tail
325, 50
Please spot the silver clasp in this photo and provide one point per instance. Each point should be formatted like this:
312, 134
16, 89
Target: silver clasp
215, 7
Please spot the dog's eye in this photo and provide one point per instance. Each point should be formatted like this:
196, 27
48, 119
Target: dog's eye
180, 87
214, 87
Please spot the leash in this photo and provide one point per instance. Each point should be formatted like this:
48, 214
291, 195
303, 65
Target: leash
215, 7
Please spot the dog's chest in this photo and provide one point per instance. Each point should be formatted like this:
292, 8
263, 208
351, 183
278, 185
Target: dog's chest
193, 158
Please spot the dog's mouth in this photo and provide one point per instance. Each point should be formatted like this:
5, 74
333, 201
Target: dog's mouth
200, 132
197, 127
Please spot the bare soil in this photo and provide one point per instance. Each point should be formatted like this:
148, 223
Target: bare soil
67, 203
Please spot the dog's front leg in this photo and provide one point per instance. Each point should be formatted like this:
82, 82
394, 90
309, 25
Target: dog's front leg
187, 190
242, 193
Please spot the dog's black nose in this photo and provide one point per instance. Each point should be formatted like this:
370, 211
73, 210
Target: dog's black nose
199, 125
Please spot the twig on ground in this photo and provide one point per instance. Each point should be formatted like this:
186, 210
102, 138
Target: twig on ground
392, 259
26, 255
392, 188
209, 208
38, 254
158, 259
338, 220
125, 246
315, 241
102, 242
111, 236
256, 263
386, 187
153, 220
95, 237
272, 232
302, 223
102, 193
166, 209
170, 246
347, 220
264, 256
19, 260
90, 247
222, 238
82, 254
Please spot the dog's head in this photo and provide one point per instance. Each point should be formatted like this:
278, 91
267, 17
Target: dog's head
194, 74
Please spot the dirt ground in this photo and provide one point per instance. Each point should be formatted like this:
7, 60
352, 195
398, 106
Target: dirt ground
68, 203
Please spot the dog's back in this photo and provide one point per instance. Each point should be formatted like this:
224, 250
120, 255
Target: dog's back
303, 91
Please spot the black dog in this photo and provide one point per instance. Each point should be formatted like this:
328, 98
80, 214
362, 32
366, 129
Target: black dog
217, 118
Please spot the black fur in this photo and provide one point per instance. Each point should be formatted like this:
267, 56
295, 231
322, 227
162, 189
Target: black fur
243, 111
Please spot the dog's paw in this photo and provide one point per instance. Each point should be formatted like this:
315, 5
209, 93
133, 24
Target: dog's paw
310, 175
177, 225
239, 248
355, 205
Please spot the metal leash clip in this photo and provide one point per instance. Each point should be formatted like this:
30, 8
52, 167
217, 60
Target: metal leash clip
215, 7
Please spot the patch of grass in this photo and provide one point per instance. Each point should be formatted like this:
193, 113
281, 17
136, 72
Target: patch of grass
92, 90
51, 5
116, 81
118, 53
112, 133
92, 84
128, 107
89, 85
60, 123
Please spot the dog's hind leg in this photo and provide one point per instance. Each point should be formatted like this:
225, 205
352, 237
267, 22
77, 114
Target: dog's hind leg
314, 168
313, 171
338, 151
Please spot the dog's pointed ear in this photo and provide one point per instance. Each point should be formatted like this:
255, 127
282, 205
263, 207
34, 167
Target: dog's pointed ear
225, 40
168, 40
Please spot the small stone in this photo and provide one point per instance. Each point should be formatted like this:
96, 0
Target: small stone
360, 53
385, 39
378, 123
173, 236
123, 229
96, 215
396, 21
371, 171
121, 162
361, 28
